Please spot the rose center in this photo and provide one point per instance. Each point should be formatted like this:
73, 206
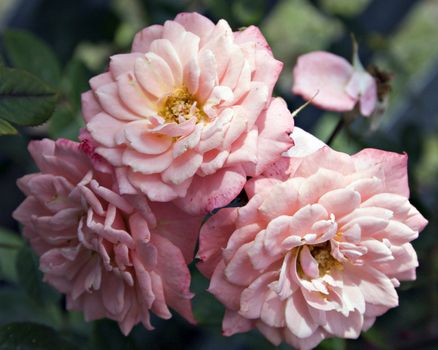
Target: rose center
322, 254
181, 106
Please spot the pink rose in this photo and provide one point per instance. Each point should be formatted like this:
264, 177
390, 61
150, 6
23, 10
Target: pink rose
113, 256
333, 83
317, 255
188, 114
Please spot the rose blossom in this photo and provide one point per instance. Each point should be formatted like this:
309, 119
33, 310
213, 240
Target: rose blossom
332, 83
317, 255
188, 114
113, 256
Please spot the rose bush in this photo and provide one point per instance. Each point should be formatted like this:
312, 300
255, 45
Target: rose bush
188, 114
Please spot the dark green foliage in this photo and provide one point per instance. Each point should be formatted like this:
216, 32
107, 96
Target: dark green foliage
24, 99
30, 277
31, 336
26, 51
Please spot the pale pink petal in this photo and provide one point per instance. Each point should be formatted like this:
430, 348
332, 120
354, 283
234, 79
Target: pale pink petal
234, 68
375, 286
111, 103
253, 297
167, 52
208, 78
304, 143
239, 269
122, 63
185, 43
308, 263
176, 277
178, 227
104, 129
154, 74
298, 319
323, 76
271, 333
213, 238
197, 24
212, 161
224, 291
340, 202
220, 42
159, 306
134, 97
90, 106
154, 187
143, 39
192, 72
305, 343
273, 141
142, 140
392, 165
214, 191
268, 69
101, 80
342, 326
147, 164
363, 86
182, 168
273, 310
234, 323
325, 158
272, 207
254, 103
244, 151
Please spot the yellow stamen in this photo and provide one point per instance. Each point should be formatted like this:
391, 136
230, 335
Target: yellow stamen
322, 254
180, 106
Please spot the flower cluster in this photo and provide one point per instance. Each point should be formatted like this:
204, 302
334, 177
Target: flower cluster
180, 126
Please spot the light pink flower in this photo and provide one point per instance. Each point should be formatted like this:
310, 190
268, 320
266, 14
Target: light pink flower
188, 114
113, 256
333, 83
317, 255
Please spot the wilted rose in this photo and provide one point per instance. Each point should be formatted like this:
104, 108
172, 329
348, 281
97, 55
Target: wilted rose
113, 256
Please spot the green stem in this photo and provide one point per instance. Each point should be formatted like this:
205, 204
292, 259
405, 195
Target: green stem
9, 246
336, 130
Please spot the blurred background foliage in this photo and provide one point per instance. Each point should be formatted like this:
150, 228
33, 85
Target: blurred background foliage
62, 43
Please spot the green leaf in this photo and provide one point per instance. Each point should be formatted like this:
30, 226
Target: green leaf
31, 336
207, 310
377, 338
6, 128
333, 344
24, 99
26, 51
65, 123
17, 306
31, 278
10, 243
75, 82
107, 336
